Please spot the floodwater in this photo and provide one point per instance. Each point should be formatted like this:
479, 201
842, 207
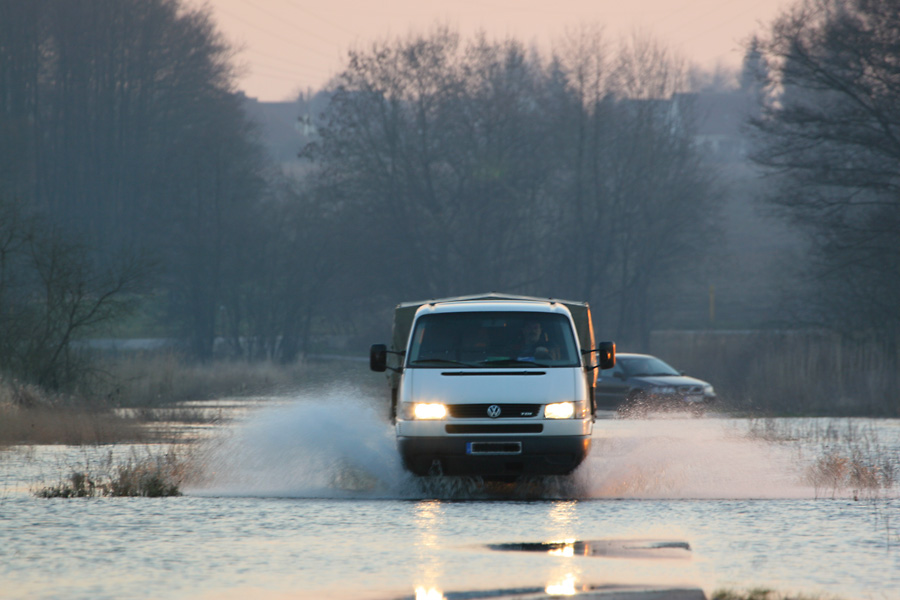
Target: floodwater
306, 498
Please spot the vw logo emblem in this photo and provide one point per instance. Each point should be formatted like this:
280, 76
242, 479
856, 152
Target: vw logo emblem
493, 411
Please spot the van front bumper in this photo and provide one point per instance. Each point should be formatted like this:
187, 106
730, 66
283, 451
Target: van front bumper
501, 457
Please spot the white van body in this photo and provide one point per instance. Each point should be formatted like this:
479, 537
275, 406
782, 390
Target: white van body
467, 401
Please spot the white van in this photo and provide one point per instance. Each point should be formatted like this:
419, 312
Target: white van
493, 385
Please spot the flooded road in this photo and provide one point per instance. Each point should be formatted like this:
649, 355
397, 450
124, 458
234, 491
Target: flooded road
307, 499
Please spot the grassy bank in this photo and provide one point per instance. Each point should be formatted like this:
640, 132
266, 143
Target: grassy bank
153, 379
30, 415
160, 379
152, 387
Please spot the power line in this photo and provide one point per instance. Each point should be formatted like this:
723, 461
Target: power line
274, 34
320, 18
281, 19
724, 22
286, 61
692, 19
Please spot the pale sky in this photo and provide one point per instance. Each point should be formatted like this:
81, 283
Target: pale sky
293, 45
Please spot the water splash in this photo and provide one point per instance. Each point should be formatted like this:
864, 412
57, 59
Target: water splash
337, 443
685, 457
329, 444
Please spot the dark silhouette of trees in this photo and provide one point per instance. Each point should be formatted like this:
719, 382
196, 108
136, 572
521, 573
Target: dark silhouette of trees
121, 124
440, 166
476, 167
830, 133
636, 202
52, 292
102, 98
438, 147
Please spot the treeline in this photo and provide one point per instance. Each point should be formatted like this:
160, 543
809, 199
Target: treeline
122, 134
830, 133
475, 165
440, 166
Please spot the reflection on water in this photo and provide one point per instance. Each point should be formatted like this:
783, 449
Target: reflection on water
566, 587
653, 549
428, 594
428, 517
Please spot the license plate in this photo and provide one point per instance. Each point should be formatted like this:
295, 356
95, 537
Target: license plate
493, 448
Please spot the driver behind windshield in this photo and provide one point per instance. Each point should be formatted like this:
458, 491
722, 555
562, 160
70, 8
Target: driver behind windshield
532, 342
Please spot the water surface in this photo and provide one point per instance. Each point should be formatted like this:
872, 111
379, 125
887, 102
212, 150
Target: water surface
307, 499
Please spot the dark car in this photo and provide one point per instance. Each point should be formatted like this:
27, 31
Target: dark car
640, 382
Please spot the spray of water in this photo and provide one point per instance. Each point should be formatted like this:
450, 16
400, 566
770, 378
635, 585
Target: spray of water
678, 456
327, 444
337, 443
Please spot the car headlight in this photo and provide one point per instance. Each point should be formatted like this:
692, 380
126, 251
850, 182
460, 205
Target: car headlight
423, 411
708, 390
560, 410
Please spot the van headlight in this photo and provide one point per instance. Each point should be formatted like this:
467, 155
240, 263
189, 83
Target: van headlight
424, 411
560, 410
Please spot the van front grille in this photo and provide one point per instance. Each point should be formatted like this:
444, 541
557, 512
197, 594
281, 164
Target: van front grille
494, 428
507, 411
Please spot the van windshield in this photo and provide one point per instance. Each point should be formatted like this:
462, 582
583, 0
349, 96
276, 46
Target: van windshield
492, 339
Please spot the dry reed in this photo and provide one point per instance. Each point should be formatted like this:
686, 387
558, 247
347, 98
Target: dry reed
788, 372
153, 475
166, 378
29, 415
845, 454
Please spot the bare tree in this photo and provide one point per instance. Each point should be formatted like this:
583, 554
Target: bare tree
476, 166
439, 146
282, 279
830, 134
119, 120
53, 292
638, 202
580, 106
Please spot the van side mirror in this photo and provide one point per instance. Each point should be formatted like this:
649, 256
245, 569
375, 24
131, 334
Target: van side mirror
378, 358
606, 353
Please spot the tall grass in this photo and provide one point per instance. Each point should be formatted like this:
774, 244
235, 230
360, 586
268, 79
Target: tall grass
788, 372
153, 475
153, 379
844, 454
150, 388
30, 415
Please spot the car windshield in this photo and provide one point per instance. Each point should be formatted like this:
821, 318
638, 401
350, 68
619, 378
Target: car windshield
643, 366
492, 339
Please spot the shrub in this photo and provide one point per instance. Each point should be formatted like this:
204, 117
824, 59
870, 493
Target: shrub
152, 476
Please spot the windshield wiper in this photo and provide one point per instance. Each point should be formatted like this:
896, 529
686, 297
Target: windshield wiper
511, 362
